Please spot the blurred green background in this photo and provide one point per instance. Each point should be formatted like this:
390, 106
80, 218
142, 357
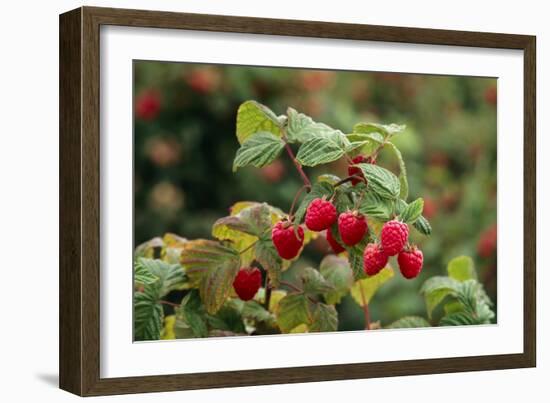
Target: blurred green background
185, 143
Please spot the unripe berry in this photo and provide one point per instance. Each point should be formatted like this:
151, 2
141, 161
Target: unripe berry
393, 237
247, 282
374, 259
410, 262
352, 226
284, 238
320, 215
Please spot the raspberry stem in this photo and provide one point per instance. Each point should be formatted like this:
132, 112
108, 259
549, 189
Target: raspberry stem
296, 163
298, 193
365, 307
267, 288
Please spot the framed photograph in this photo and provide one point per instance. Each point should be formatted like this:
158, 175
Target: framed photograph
250, 201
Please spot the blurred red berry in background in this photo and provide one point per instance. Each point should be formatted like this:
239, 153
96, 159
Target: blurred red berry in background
148, 104
490, 95
163, 152
487, 243
204, 80
316, 80
273, 172
430, 207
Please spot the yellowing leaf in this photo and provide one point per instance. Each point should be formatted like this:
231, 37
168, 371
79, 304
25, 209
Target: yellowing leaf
363, 290
168, 330
300, 329
462, 268
253, 117
293, 310
217, 266
276, 297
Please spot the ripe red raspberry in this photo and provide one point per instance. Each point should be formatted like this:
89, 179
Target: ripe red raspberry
374, 259
285, 240
336, 247
355, 170
410, 262
320, 215
248, 282
394, 237
352, 227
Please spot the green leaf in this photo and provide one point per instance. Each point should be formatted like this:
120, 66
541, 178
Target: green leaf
325, 318
217, 266
267, 256
435, 289
375, 137
323, 148
403, 181
190, 317
329, 178
170, 276
475, 306
363, 290
293, 310
458, 319
142, 274
228, 318
253, 117
148, 316
413, 211
376, 206
254, 311
385, 130
301, 128
409, 322
336, 272
462, 268
475, 301
318, 190
355, 257
381, 181
423, 226
314, 282
258, 150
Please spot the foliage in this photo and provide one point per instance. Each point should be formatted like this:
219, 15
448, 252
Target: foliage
205, 269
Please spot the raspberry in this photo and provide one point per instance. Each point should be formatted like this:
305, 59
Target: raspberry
394, 237
285, 240
374, 259
355, 170
352, 227
410, 262
247, 283
320, 215
360, 159
336, 247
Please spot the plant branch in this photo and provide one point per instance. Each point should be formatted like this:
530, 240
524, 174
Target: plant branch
267, 288
298, 193
365, 307
297, 164
350, 178
169, 303
291, 286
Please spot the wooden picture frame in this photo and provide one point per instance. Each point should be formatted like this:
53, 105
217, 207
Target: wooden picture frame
80, 200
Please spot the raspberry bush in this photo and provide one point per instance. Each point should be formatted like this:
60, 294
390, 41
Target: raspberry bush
233, 284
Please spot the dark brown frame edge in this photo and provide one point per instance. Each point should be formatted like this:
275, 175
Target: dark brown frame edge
79, 200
